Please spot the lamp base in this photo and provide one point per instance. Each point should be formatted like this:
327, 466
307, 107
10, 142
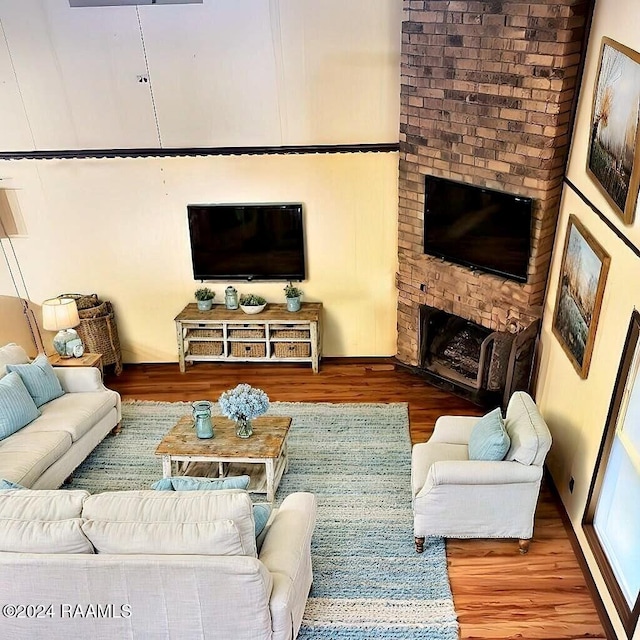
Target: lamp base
61, 339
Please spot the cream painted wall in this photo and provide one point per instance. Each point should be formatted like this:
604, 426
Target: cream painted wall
119, 228
575, 409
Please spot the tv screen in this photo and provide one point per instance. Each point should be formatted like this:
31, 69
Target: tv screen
477, 227
247, 241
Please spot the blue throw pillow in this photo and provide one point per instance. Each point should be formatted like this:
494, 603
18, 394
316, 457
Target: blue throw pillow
7, 484
261, 513
489, 439
40, 379
190, 483
17, 408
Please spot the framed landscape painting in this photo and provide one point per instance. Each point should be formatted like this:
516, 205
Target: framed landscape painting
583, 273
613, 161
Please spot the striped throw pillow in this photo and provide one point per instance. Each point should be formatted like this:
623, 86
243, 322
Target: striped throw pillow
39, 378
17, 408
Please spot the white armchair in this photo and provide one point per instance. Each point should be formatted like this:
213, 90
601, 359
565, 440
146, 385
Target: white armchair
455, 497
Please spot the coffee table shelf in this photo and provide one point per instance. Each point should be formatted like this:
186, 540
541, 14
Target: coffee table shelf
263, 456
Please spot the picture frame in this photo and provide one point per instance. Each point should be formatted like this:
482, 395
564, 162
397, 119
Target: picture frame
613, 161
583, 274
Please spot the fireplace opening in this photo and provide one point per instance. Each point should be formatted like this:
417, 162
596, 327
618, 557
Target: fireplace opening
491, 365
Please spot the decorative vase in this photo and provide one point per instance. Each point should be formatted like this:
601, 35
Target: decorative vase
293, 304
244, 428
202, 419
205, 305
231, 298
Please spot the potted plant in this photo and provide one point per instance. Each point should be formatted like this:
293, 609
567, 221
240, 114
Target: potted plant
251, 303
293, 295
205, 297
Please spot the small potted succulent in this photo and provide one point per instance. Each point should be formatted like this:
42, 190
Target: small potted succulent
293, 295
205, 297
251, 303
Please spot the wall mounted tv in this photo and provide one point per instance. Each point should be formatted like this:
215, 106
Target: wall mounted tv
480, 228
247, 241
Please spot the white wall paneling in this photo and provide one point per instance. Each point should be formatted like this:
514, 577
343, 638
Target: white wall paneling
78, 70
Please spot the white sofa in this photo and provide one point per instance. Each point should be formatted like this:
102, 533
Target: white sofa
43, 454
455, 497
152, 564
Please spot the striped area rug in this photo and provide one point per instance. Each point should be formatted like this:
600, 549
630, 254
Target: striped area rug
368, 581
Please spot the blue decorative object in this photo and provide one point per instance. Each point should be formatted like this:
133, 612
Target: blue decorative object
242, 404
293, 304
489, 439
202, 419
231, 298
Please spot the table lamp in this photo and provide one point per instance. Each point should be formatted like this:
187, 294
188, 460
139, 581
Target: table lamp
61, 314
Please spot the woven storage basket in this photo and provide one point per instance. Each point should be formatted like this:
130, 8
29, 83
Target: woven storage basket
248, 349
246, 333
82, 301
205, 333
205, 348
100, 335
291, 349
290, 333
94, 312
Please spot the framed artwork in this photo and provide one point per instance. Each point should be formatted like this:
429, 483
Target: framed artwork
583, 273
613, 161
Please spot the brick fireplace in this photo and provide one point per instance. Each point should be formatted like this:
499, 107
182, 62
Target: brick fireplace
487, 98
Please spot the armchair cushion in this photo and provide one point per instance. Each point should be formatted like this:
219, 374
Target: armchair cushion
530, 437
488, 439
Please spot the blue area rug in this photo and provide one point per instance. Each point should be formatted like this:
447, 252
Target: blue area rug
356, 458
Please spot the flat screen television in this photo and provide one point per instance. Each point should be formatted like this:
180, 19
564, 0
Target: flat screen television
480, 228
247, 241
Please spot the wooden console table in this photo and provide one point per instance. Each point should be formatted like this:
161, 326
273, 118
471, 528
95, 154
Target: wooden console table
274, 335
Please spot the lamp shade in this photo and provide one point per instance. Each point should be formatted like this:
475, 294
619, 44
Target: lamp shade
59, 313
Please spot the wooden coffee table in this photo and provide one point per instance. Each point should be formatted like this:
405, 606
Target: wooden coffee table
263, 456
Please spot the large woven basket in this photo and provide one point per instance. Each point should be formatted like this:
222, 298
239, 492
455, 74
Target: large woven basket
291, 349
100, 335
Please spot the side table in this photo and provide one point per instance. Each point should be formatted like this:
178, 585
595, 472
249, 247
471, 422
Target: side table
86, 360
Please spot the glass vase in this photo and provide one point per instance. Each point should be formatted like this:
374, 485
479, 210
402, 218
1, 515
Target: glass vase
202, 419
244, 428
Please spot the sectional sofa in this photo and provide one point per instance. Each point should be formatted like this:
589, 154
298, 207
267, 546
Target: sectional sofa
42, 454
153, 565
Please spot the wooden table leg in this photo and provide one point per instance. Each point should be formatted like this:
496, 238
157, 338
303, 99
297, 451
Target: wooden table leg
166, 466
270, 472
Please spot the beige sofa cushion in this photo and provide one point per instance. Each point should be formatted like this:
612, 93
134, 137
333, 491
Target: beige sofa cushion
220, 538
11, 354
42, 522
25, 456
76, 413
213, 522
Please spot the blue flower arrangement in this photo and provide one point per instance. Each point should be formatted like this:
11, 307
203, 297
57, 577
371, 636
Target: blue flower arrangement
243, 402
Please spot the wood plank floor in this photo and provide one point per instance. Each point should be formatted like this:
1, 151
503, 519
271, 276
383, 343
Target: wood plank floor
497, 592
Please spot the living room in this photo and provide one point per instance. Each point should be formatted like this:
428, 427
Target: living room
127, 105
